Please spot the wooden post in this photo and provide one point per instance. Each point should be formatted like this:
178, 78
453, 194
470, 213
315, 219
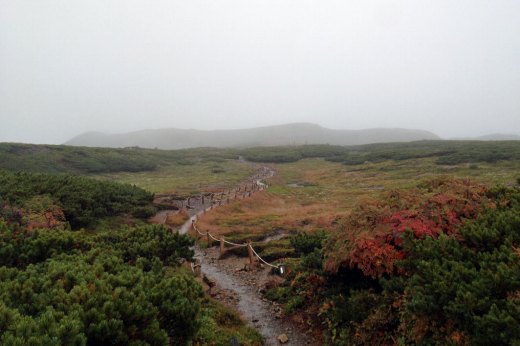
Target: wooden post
250, 252
209, 238
202, 199
222, 249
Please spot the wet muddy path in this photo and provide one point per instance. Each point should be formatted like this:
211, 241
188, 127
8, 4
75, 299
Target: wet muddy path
241, 289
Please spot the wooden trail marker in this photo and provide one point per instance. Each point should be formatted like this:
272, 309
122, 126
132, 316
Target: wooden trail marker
250, 252
222, 249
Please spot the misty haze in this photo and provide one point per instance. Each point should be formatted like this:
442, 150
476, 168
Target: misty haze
70, 67
259, 172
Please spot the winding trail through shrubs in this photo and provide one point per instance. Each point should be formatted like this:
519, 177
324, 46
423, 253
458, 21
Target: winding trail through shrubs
241, 288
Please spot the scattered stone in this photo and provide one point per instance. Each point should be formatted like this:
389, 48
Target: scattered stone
283, 338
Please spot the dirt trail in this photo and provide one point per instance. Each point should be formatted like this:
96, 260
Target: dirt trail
240, 289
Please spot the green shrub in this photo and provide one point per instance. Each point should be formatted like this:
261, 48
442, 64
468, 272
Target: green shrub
305, 243
83, 200
61, 288
473, 283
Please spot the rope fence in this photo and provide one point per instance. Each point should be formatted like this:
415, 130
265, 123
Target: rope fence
249, 244
261, 259
246, 190
255, 185
223, 197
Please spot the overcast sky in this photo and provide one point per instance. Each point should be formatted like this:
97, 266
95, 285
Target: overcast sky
70, 66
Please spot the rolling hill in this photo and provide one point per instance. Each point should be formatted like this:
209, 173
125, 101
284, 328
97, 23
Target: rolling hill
288, 134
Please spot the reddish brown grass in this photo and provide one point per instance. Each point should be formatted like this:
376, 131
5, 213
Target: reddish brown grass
177, 219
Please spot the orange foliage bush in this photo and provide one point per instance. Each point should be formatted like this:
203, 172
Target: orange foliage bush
370, 238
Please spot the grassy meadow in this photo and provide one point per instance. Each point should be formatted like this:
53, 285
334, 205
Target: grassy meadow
311, 195
186, 179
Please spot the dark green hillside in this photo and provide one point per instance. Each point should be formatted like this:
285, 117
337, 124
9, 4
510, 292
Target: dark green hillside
83, 200
447, 152
82, 160
62, 159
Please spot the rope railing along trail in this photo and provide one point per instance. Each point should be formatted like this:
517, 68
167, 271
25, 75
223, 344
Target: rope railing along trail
244, 190
249, 244
225, 196
261, 259
253, 185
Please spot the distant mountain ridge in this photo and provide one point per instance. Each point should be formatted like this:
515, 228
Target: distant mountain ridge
288, 134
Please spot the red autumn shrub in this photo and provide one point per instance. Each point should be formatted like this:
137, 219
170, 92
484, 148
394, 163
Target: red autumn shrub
370, 238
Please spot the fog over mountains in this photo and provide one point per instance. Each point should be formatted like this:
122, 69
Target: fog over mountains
288, 134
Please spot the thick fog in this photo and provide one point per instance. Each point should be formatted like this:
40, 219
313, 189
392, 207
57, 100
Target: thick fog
70, 66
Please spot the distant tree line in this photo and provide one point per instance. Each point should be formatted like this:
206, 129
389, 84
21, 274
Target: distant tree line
446, 152
85, 160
